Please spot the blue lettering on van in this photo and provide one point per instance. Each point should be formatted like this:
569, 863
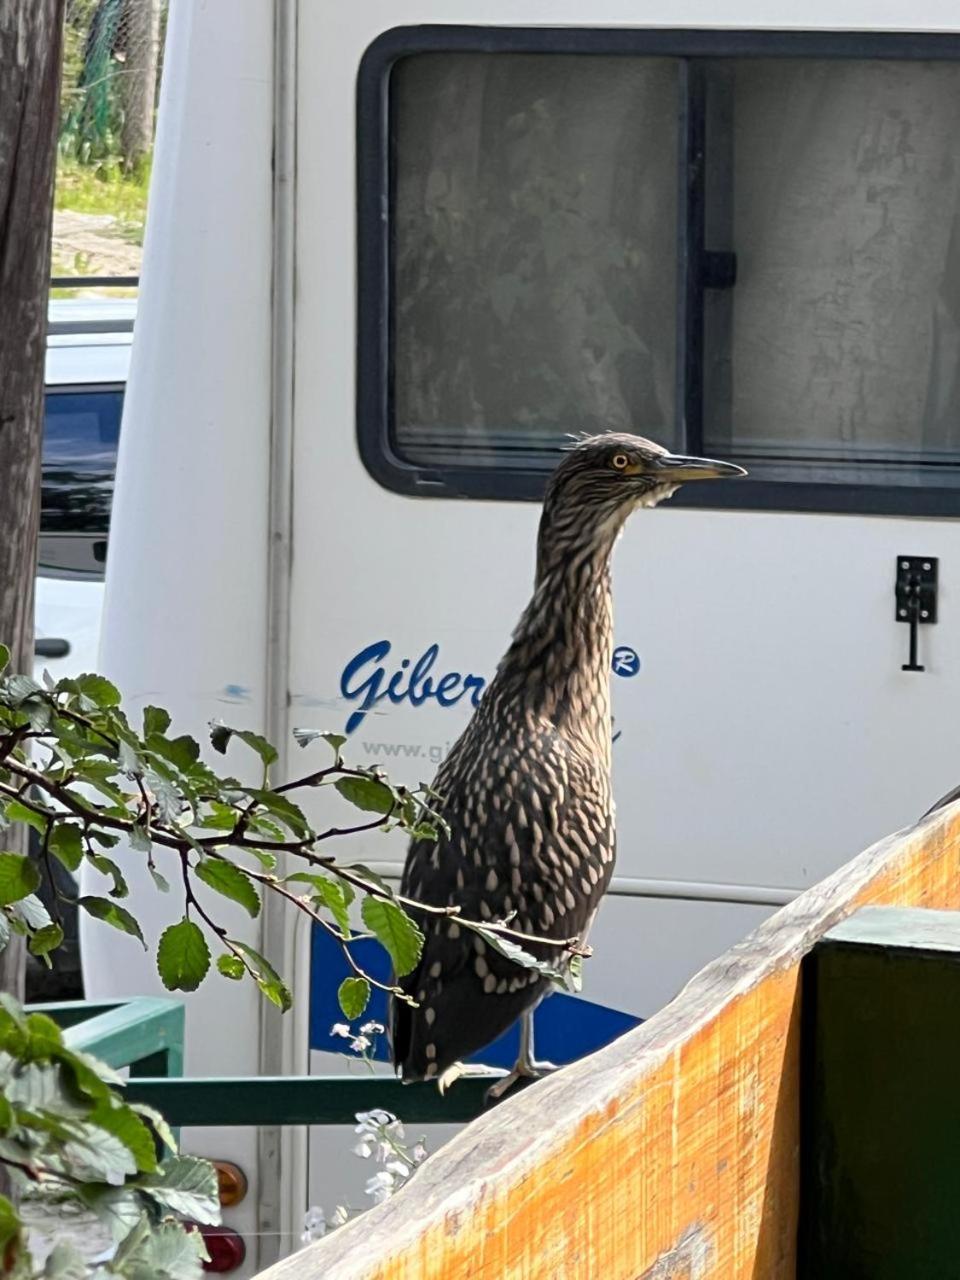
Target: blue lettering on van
366, 679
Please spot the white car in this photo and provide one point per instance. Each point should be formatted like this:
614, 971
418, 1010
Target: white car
88, 356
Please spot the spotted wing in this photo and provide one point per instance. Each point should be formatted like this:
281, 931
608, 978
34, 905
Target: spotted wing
531, 840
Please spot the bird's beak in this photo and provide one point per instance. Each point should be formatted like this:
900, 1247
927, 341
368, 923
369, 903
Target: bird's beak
674, 468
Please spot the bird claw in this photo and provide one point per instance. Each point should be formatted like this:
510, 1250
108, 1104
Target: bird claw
530, 1070
464, 1071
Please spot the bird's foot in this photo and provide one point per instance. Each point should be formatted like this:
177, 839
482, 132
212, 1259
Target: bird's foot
464, 1071
529, 1069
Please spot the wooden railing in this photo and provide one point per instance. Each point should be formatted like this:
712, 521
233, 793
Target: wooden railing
673, 1154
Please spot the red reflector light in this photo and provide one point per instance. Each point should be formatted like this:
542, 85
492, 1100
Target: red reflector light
225, 1246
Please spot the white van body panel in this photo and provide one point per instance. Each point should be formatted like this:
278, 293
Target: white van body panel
184, 614
769, 732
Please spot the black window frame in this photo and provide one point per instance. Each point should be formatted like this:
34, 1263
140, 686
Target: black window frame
375, 186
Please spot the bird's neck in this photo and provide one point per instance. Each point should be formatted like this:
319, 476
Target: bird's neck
558, 664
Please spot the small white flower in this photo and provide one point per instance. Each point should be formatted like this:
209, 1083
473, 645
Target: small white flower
419, 1153
397, 1167
341, 1029
315, 1225
380, 1186
340, 1215
372, 1029
364, 1148
359, 1044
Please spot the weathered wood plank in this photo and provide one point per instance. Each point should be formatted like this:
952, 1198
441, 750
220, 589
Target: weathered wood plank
673, 1154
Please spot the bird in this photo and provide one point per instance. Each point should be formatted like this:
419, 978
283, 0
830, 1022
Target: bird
525, 791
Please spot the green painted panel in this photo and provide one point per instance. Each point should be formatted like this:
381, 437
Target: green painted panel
881, 1099
144, 1033
278, 1100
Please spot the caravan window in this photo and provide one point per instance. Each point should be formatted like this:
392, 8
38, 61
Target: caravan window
754, 254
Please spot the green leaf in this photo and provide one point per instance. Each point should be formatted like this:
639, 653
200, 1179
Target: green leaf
17, 812
266, 977
19, 877
574, 981
220, 735
6, 1114
39, 713
510, 950
45, 940
140, 838
396, 932
371, 877
183, 752
66, 844
115, 1206
112, 914
162, 883
166, 1252
91, 1076
99, 1156
126, 1125
4, 657
31, 911
353, 995
157, 1123
187, 1186
331, 893
368, 794
107, 867
168, 796
230, 881
19, 688
44, 1036
98, 689
290, 814
231, 966
129, 760
267, 860
10, 1238
155, 720
64, 1263
304, 737
423, 831
183, 956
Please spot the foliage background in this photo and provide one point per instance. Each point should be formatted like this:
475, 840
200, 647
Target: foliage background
111, 79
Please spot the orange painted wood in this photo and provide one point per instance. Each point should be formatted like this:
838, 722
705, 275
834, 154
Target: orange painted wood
673, 1154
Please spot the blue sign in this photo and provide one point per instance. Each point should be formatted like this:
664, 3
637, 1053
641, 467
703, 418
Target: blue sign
626, 661
565, 1027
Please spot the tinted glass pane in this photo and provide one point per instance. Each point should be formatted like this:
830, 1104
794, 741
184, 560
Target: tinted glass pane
838, 186
534, 252
80, 435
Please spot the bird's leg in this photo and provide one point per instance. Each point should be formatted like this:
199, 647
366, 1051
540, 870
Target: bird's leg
526, 1066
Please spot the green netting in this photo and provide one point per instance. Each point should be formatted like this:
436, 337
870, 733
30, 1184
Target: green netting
112, 54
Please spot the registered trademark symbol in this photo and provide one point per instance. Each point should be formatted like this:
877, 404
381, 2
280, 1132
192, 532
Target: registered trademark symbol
626, 661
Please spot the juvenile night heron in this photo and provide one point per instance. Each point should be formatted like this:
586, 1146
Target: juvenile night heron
526, 788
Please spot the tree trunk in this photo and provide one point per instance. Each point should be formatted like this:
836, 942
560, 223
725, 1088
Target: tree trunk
31, 33
141, 40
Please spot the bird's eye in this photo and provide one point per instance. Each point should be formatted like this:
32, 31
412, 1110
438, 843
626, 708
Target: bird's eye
619, 460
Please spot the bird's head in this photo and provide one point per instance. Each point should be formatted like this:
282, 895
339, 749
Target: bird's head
602, 479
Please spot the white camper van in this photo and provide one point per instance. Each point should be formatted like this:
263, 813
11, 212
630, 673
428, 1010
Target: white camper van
396, 253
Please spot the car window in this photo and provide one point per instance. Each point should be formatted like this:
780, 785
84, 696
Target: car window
80, 437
